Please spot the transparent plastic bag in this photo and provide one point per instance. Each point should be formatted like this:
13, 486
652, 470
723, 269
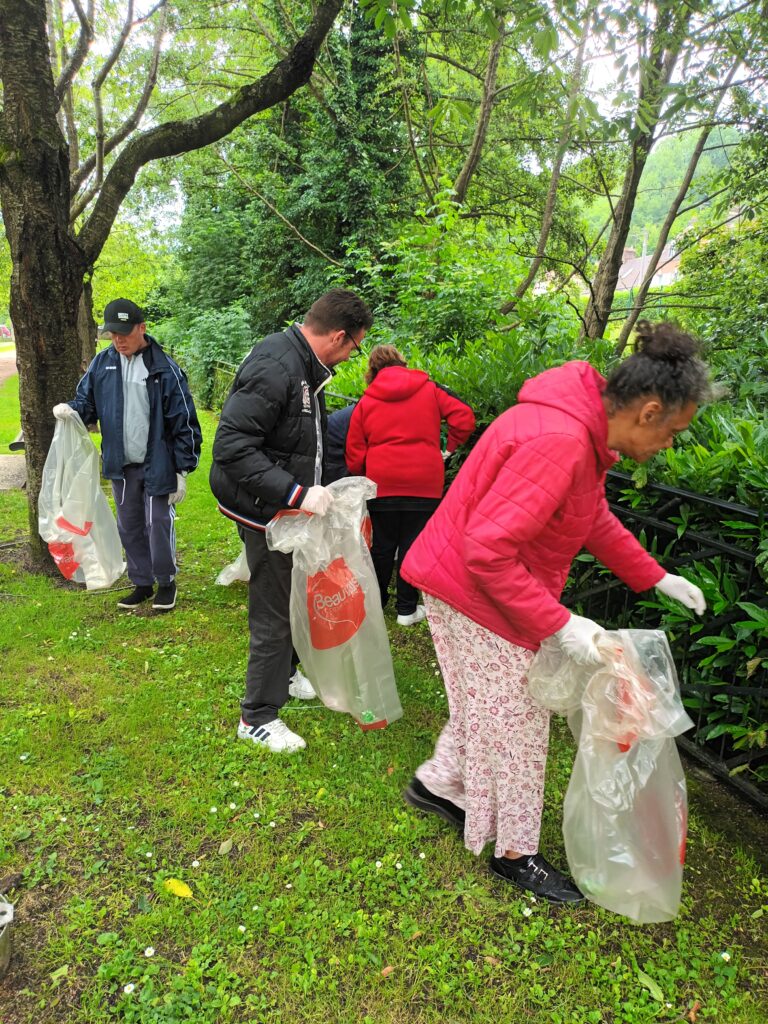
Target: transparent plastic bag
74, 517
625, 812
337, 623
237, 570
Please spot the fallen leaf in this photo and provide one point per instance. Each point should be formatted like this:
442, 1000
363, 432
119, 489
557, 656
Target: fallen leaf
391, 769
178, 888
693, 1012
647, 982
416, 935
753, 665
225, 847
492, 960
386, 971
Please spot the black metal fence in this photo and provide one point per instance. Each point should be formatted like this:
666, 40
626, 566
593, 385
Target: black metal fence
722, 658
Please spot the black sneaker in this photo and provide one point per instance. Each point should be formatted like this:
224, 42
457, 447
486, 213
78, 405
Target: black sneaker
536, 875
138, 596
417, 795
166, 597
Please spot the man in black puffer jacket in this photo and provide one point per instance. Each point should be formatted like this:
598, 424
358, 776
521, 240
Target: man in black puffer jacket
268, 455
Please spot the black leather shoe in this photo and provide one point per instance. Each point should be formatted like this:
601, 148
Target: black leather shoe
536, 875
417, 795
138, 596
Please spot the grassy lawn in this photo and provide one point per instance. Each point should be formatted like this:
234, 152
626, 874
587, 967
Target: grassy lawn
316, 894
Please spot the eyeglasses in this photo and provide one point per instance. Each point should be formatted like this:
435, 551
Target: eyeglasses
358, 351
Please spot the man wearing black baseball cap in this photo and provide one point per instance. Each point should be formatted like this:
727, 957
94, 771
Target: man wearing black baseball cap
150, 441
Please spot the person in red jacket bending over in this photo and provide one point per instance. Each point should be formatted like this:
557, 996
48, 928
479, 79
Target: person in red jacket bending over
493, 561
394, 440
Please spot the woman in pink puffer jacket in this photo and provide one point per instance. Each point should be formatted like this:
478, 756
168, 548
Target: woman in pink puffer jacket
493, 561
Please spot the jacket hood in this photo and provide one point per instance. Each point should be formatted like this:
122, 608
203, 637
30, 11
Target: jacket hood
575, 388
396, 383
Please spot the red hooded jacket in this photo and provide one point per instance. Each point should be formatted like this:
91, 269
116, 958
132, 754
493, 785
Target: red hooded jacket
528, 498
394, 433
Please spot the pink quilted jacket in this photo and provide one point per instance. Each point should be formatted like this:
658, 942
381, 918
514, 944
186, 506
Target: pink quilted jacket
528, 498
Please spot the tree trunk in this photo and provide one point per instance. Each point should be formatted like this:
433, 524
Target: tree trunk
48, 266
54, 333
667, 40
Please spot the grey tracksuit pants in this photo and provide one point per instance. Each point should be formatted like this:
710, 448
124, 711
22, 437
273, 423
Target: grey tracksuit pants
147, 529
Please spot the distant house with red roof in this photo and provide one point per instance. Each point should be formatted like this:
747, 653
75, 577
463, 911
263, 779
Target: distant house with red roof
634, 268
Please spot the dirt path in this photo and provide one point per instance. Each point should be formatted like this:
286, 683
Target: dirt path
7, 364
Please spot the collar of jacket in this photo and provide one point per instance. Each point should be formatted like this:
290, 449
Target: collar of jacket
153, 355
319, 374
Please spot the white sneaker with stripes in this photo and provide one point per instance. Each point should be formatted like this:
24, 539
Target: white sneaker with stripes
275, 736
299, 686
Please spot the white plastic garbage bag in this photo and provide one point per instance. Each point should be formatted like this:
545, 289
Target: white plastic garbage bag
74, 517
625, 812
337, 623
237, 570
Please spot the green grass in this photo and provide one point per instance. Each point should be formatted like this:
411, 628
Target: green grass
10, 423
335, 902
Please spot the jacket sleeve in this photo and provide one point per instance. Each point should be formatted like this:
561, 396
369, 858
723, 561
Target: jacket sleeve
459, 416
249, 415
181, 424
529, 488
357, 444
84, 402
621, 552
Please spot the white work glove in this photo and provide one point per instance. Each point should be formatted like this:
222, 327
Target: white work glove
317, 500
177, 496
577, 638
681, 590
62, 411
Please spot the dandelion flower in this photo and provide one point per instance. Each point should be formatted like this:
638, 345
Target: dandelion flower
255, 906
725, 956
149, 951
213, 810
527, 911
128, 988
148, 854
422, 856
195, 863
398, 865
272, 824
378, 864
232, 807
288, 885
241, 928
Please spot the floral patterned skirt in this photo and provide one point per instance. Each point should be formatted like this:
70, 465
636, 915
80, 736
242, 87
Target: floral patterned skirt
491, 755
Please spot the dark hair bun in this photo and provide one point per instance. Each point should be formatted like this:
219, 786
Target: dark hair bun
664, 342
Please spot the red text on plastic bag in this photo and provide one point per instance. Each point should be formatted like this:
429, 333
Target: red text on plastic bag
63, 555
336, 605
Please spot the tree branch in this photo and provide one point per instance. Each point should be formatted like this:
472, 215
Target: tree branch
192, 133
80, 51
554, 181
483, 118
125, 129
292, 227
